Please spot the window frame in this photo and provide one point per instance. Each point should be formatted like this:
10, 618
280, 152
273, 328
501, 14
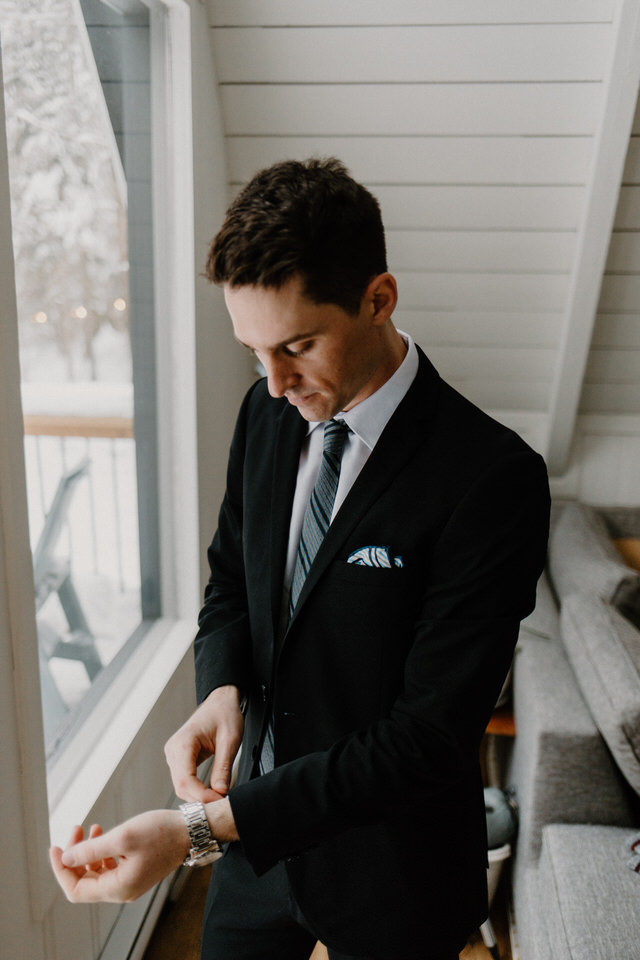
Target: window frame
172, 163
82, 773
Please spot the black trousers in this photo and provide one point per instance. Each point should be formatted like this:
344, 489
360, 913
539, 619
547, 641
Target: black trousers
256, 918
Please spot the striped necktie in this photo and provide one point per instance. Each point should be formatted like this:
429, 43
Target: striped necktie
320, 507
315, 524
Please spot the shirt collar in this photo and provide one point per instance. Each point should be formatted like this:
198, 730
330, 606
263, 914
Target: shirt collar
368, 418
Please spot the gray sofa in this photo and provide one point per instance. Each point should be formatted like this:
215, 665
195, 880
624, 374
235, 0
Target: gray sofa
575, 762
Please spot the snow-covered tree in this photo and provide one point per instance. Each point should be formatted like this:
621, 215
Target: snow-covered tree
68, 201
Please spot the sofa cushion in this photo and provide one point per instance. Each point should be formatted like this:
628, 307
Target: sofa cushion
583, 559
532, 939
604, 651
588, 896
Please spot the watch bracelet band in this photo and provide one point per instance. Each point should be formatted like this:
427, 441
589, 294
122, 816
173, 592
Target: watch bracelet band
204, 846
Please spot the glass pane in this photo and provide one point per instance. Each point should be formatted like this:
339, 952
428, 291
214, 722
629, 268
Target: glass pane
77, 92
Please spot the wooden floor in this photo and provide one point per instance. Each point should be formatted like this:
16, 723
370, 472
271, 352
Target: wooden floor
177, 934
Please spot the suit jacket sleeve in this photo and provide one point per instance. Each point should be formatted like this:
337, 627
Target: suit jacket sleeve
223, 642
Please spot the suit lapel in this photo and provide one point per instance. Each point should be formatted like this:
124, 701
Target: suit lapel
291, 431
398, 442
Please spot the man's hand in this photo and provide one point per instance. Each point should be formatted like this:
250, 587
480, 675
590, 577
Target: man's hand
123, 864
215, 729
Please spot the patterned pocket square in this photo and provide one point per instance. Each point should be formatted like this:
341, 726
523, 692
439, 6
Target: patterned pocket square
374, 557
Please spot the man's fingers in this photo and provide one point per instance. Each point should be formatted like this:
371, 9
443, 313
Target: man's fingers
221, 776
182, 752
55, 855
191, 789
77, 834
66, 878
95, 831
108, 863
88, 888
88, 852
71, 881
226, 749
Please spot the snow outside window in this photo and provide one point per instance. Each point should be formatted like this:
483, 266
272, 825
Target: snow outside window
77, 93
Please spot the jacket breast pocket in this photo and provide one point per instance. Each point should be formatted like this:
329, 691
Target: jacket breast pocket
374, 577
374, 607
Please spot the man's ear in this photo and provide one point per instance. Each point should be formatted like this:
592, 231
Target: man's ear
382, 294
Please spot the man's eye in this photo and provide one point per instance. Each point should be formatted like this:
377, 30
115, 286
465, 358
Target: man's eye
291, 352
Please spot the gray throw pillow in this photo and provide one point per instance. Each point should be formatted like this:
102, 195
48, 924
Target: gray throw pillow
604, 651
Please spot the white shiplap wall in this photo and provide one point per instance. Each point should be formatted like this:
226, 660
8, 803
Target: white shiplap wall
612, 381
472, 122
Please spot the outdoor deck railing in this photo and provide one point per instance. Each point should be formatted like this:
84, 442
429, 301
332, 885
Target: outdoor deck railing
81, 487
99, 524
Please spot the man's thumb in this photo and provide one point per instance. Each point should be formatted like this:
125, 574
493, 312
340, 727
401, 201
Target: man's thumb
221, 774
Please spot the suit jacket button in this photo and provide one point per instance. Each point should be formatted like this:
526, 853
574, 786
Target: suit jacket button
264, 692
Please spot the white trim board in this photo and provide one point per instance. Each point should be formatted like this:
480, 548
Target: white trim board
24, 808
619, 107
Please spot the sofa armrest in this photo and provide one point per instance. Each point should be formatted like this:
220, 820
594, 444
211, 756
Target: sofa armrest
544, 620
561, 769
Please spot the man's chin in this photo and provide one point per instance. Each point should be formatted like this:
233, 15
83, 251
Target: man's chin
312, 408
310, 415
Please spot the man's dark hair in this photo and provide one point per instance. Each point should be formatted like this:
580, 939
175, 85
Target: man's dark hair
309, 219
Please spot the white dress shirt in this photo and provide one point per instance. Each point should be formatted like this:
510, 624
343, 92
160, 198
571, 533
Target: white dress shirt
366, 422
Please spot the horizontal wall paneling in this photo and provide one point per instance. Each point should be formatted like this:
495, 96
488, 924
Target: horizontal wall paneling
482, 291
456, 328
605, 461
423, 159
620, 293
611, 398
475, 125
631, 175
529, 395
617, 330
624, 253
286, 13
397, 54
502, 109
628, 212
470, 363
610, 365
480, 208
476, 251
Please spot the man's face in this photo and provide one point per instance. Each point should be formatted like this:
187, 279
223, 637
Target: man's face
322, 359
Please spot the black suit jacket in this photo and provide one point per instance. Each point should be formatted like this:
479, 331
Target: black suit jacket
386, 678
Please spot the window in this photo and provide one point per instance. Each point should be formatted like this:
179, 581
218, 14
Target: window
77, 79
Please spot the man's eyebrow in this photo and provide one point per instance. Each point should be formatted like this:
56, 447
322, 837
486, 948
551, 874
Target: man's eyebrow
283, 343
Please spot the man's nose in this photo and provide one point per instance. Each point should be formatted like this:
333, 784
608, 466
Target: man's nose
281, 375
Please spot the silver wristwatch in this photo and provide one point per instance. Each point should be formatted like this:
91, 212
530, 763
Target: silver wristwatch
204, 847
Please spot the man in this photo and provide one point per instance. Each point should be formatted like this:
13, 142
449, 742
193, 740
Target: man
364, 600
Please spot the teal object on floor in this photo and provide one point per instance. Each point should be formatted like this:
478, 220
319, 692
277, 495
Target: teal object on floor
501, 817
